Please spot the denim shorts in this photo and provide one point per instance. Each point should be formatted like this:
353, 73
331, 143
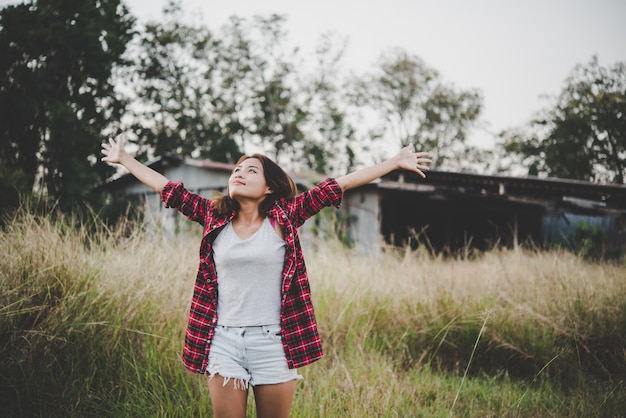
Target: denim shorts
249, 355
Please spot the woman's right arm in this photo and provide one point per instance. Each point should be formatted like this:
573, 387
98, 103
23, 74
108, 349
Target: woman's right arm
174, 195
115, 153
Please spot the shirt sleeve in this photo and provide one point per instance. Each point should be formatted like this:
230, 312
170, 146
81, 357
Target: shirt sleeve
307, 204
192, 205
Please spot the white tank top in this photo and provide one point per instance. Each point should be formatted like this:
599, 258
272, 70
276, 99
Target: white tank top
249, 276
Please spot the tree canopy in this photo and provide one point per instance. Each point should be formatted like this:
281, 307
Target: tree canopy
191, 91
174, 108
56, 95
73, 73
583, 135
416, 107
216, 94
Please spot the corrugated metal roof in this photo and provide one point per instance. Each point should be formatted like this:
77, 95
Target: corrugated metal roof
610, 195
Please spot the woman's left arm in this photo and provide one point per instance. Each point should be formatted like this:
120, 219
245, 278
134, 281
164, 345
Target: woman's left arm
406, 159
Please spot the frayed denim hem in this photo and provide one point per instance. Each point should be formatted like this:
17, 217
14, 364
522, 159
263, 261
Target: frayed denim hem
240, 383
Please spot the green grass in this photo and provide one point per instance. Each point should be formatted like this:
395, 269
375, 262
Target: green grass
92, 324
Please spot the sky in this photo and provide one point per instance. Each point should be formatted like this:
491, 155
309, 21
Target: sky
515, 52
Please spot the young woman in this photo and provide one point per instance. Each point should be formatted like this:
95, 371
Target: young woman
251, 321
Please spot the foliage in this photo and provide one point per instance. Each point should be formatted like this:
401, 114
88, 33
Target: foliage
56, 95
277, 114
175, 107
331, 139
190, 91
591, 242
216, 94
416, 107
583, 136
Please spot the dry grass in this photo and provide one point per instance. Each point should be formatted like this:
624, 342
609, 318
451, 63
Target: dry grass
106, 311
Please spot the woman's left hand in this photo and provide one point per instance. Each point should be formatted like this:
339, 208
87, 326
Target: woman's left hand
408, 159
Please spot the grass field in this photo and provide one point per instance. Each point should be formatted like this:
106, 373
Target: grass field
92, 324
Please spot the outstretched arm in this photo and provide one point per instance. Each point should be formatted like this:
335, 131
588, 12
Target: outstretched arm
115, 153
406, 159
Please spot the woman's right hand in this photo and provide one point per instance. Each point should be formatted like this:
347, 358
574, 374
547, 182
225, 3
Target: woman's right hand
114, 151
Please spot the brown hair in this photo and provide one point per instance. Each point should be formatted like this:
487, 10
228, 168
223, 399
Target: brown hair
279, 182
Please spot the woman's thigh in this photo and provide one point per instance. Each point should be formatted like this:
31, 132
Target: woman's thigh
274, 400
227, 399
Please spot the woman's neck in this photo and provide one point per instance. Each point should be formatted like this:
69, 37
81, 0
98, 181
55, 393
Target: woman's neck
248, 213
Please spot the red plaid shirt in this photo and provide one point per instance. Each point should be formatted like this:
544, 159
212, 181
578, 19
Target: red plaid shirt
301, 340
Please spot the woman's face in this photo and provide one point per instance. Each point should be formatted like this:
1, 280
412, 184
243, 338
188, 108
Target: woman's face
247, 181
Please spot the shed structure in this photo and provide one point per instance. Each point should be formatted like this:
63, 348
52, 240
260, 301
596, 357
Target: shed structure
447, 211
455, 211
206, 178
203, 177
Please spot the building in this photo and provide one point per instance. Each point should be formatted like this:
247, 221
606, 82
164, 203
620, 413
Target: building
456, 211
446, 211
203, 177
207, 178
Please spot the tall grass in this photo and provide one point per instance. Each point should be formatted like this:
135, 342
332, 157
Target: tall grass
91, 324
426, 310
88, 322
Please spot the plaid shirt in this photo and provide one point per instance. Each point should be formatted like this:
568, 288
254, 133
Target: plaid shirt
301, 340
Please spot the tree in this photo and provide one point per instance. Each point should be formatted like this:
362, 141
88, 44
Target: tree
414, 106
583, 136
233, 85
212, 95
293, 116
177, 108
330, 137
56, 95
278, 114
216, 94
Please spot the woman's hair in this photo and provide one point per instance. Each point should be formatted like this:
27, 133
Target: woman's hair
279, 182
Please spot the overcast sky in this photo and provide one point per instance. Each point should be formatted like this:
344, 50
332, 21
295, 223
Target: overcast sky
514, 52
